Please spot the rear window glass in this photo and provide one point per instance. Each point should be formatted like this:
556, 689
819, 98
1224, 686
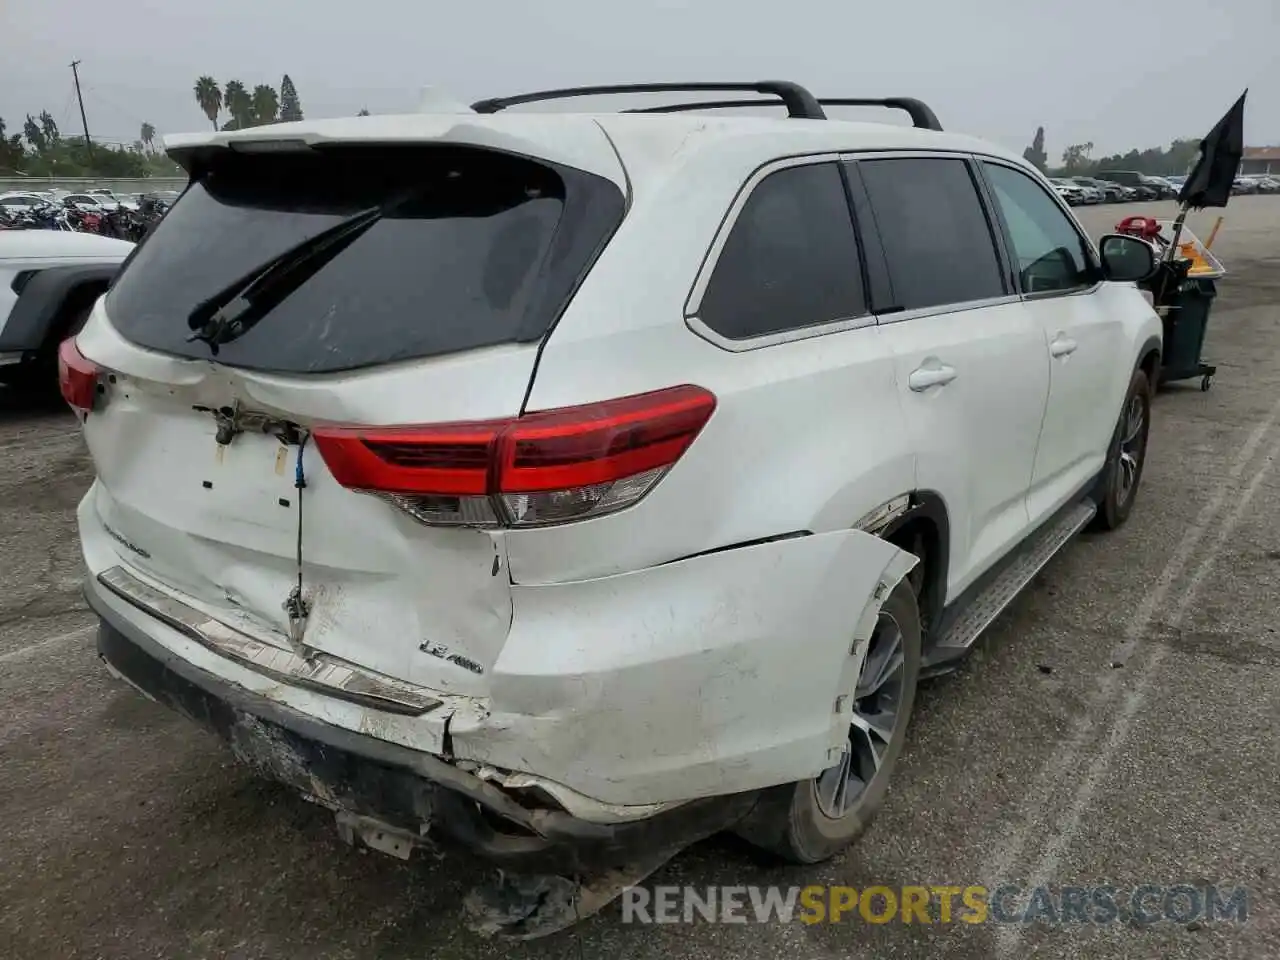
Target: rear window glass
477, 248
790, 260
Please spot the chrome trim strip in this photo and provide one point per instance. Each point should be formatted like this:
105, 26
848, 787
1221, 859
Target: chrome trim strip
903, 315
783, 336
900, 153
321, 673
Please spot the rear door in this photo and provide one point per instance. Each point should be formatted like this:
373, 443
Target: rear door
971, 366
433, 312
1081, 321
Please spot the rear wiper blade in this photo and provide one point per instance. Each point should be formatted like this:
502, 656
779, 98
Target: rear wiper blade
233, 311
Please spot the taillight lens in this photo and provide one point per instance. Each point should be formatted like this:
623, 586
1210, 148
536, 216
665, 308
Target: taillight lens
77, 377
548, 467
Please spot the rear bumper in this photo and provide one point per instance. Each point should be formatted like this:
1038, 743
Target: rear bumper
622, 697
412, 792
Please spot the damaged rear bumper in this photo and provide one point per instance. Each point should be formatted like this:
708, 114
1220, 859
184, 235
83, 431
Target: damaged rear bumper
415, 794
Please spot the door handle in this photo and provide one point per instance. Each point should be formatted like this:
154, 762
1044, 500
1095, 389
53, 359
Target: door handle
932, 375
1062, 346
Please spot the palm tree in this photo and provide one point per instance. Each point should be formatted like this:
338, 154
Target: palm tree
266, 105
148, 135
239, 104
209, 97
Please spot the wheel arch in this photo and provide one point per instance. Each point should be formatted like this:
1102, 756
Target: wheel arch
925, 522
49, 300
1149, 359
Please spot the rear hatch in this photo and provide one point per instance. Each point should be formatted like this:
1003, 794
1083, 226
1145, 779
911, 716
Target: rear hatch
445, 266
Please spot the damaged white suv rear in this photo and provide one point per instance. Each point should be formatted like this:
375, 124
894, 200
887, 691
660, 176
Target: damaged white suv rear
574, 486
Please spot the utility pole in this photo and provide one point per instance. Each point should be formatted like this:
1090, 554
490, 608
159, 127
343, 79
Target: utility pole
88, 144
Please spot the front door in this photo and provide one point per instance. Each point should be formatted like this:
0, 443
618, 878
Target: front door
1084, 339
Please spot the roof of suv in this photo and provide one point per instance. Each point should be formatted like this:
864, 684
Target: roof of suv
646, 143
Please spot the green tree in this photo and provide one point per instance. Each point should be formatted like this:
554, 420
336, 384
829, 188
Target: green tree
1075, 159
11, 152
35, 137
239, 104
49, 128
148, 136
209, 97
364, 112
266, 105
290, 105
1036, 154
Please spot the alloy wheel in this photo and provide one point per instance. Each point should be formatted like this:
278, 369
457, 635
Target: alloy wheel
1132, 440
877, 699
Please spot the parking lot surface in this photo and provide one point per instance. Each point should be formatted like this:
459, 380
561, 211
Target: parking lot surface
1118, 725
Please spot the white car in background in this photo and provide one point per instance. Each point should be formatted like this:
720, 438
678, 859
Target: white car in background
18, 201
1070, 192
49, 281
90, 202
110, 200
551, 484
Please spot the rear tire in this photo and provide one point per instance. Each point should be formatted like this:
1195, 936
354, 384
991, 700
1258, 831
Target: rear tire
42, 374
1118, 485
798, 821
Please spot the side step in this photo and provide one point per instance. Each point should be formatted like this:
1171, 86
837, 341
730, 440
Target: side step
999, 593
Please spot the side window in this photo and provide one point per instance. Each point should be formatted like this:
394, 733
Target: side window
790, 259
1049, 252
936, 239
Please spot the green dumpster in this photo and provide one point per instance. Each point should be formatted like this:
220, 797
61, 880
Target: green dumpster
1185, 321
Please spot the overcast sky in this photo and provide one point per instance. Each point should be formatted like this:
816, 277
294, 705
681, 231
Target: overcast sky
1121, 73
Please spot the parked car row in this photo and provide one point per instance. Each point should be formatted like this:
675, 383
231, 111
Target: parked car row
1114, 186
95, 200
125, 217
1129, 186
1256, 183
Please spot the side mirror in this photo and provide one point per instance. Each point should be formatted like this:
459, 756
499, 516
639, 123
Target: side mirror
1127, 259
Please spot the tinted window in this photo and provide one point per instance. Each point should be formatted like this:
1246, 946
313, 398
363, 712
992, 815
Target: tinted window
474, 248
790, 259
936, 237
1048, 250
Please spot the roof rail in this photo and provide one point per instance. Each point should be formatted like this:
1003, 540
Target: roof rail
921, 114
800, 103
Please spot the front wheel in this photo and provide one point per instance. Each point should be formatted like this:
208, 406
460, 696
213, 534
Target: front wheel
815, 819
1118, 486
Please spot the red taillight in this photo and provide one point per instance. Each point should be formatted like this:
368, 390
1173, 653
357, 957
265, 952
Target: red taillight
77, 377
546, 467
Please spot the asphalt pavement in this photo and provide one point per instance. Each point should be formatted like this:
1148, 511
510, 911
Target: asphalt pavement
1117, 726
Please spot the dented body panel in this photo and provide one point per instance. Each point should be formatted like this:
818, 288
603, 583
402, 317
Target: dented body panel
709, 676
218, 523
705, 676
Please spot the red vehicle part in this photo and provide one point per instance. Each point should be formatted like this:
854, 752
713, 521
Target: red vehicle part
1145, 227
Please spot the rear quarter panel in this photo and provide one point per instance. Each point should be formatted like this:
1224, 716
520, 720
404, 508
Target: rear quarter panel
807, 435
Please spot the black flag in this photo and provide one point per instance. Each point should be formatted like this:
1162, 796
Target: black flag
1210, 182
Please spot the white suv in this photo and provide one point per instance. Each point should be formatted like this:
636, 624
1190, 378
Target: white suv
571, 484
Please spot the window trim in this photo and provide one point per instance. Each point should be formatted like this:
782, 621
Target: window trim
994, 226
693, 303
1087, 245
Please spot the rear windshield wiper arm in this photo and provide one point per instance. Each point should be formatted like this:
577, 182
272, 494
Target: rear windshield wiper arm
232, 312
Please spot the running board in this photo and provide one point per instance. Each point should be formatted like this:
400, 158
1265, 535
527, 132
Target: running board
991, 602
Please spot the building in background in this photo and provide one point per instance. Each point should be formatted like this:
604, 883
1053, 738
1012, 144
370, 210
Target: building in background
1260, 160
